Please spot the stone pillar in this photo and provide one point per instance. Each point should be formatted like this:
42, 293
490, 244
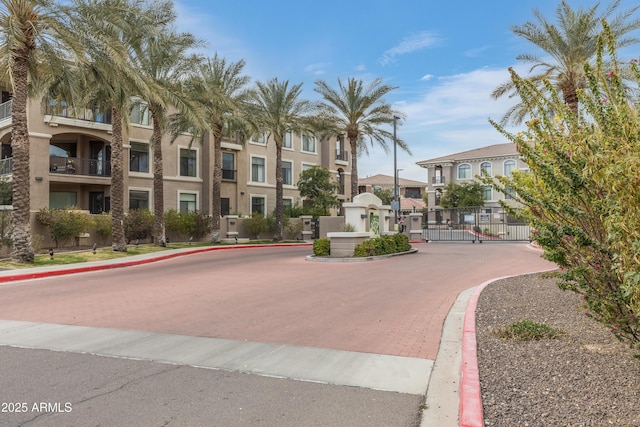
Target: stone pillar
232, 226
414, 227
307, 233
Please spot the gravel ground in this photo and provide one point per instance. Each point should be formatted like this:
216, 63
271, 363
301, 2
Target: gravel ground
586, 377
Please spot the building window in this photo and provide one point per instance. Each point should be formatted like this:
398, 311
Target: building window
140, 114
258, 205
464, 171
257, 169
188, 202
139, 157
138, 199
362, 189
288, 140
487, 192
63, 199
308, 143
287, 173
259, 138
287, 205
412, 193
509, 193
485, 168
228, 166
438, 196
341, 181
509, 167
188, 162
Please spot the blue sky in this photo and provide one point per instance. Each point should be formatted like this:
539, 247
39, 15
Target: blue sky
445, 58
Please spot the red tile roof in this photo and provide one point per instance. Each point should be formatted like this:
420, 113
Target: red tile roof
496, 150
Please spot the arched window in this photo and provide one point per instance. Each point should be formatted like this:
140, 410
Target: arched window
485, 168
509, 167
464, 171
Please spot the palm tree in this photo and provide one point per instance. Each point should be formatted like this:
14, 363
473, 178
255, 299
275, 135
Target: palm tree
219, 89
275, 108
36, 39
361, 113
570, 44
111, 77
162, 58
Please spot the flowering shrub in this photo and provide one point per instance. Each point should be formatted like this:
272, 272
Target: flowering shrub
582, 196
64, 224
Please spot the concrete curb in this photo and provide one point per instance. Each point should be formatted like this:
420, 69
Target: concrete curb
27, 274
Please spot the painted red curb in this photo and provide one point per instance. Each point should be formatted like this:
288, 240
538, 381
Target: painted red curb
116, 264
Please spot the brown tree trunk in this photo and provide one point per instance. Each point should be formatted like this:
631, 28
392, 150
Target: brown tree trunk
354, 165
216, 202
22, 251
117, 183
158, 182
277, 234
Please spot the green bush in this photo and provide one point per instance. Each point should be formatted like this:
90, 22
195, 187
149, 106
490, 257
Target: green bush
322, 247
384, 245
255, 225
64, 224
187, 224
138, 225
103, 226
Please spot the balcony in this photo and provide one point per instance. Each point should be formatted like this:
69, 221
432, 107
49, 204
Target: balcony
84, 114
342, 155
79, 166
6, 166
228, 175
5, 110
437, 180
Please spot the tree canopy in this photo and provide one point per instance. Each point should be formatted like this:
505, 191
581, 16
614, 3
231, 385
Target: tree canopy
462, 195
319, 188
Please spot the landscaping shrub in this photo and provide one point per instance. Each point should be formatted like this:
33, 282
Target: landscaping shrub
187, 224
64, 224
255, 225
138, 225
322, 247
581, 194
384, 245
103, 226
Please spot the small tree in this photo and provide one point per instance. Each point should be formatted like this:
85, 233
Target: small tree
581, 196
317, 185
138, 225
384, 194
462, 195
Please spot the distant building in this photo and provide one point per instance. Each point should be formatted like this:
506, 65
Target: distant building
410, 192
493, 160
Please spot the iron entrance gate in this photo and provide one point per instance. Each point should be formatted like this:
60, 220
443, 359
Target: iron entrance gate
473, 224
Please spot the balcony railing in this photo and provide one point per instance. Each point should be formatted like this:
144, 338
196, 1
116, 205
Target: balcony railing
437, 180
228, 174
6, 166
79, 166
342, 155
86, 114
5, 110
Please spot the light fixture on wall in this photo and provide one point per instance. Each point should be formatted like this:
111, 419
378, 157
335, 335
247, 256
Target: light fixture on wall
242, 193
38, 178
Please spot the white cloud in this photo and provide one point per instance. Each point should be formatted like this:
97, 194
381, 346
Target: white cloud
427, 77
409, 44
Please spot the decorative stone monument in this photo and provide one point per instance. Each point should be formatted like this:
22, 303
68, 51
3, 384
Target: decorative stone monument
368, 217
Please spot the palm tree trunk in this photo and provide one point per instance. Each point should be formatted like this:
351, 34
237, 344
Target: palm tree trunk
354, 166
158, 182
117, 183
277, 234
216, 207
21, 234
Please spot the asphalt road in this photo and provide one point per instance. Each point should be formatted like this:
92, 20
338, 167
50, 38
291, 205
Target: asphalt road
392, 309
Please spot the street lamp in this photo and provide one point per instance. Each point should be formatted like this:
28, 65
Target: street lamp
396, 205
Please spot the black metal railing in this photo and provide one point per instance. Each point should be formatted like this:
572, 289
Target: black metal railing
79, 166
86, 114
342, 155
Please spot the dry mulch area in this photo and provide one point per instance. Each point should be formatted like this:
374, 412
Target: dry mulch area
585, 377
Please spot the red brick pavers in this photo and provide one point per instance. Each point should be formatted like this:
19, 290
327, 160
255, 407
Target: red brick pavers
394, 306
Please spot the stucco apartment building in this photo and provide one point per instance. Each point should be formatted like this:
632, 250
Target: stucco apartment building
498, 159
70, 161
409, 191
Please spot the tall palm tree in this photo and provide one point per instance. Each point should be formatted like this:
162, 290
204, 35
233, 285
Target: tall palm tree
112, 77
219, 88
163, 58
569, 44
276, 108
36, 37
360, 113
